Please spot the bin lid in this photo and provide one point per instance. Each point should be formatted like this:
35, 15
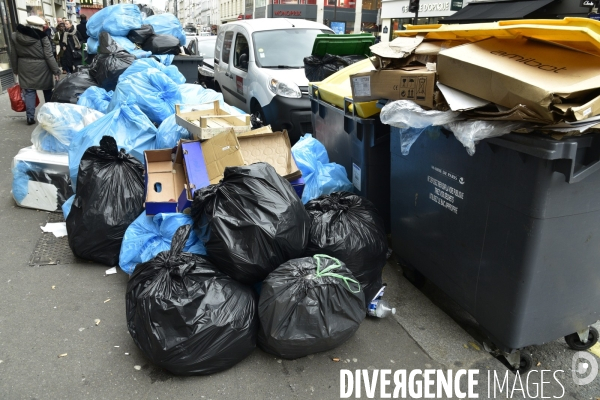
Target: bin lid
355, 44
582, 34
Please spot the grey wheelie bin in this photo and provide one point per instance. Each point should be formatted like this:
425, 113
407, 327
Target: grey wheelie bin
512, 233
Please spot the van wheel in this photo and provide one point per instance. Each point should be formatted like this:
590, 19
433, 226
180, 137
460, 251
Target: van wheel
257, 112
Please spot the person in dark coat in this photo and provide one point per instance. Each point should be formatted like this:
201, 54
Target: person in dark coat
82, 29
70, 44
48, 31
33, 62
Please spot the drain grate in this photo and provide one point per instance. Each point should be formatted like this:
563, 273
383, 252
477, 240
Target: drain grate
51, 250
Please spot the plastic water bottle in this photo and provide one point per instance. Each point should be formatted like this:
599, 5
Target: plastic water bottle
380, 309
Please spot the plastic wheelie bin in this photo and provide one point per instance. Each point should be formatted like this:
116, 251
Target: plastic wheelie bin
360, 145
512, 233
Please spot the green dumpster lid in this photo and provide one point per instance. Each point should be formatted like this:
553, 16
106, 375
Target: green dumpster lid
343, 45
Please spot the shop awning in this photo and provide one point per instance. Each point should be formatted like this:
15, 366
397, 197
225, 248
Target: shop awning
496, 11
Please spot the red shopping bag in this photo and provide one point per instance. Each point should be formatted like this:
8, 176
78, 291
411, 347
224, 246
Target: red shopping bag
16, 98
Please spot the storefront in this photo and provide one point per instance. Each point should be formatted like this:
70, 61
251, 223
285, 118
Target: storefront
341, 11
395, 14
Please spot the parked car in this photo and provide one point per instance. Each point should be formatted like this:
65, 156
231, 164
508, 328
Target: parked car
204, 46
259, 68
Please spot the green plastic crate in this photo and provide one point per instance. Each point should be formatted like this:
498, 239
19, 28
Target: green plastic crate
343, 45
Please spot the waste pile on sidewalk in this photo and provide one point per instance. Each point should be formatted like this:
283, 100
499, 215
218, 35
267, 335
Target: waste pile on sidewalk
167, 181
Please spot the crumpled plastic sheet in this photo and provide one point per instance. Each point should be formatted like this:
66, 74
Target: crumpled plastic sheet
149, 235
408, 114
117, 20
59, 122
320, 176
167, 24
408, 136
152, 90
469, 132
130, 127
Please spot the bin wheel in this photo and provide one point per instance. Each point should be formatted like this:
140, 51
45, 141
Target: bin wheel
525, 363
575, 343
413, 276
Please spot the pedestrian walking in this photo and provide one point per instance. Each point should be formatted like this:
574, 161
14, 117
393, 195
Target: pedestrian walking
60, 28
33, 62
70, 44
82, 28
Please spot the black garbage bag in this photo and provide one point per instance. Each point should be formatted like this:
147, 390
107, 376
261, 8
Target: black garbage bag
348, 227
317, 68
309, 305
110, 62
109, 197
72, 86
188, 317
139, 36
162, 44
256, 222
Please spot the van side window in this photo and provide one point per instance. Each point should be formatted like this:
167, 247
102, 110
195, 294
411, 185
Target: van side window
227, 46
218, 47
242, 52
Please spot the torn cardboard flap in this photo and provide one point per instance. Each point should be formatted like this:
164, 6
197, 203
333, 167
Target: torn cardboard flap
519, 71
220, 152
273, 148
397, 48
414, 83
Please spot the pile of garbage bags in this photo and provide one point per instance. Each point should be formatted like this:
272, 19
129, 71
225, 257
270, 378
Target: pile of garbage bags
254, 262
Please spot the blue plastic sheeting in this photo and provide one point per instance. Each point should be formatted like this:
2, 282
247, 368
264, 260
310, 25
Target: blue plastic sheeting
143, 64
141, 54
20, 181
66, 207
167, 24
58, 123
92, 44
169, 133
95, 98
117, 20
165, 59
148, 236
320, 176
130, 127
152, 90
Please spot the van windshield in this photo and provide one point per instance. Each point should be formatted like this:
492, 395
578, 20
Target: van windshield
285, 48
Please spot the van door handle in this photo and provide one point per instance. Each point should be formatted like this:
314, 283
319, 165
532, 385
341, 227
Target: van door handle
227, 74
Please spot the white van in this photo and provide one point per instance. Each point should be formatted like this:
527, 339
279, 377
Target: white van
259, 68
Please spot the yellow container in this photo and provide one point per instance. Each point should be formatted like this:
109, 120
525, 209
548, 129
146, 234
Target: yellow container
582, 34
336, 87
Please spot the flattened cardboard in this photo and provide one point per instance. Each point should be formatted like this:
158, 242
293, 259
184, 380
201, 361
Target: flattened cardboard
410, 83
271, 147
165, 181
220, 152
539, 75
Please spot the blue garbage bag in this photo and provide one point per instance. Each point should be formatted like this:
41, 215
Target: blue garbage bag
66, 207
165, 59
20, 180
143, 64
117, 20
92, 44
58, 123
95, 98
130, 127
152, 90
320, 176
167, 24
140, 54
148, 236
169, 133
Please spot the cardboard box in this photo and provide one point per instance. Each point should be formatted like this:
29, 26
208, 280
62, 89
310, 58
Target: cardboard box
262, 145
220, 152
414, 83
554, 82
205, 124
165, 180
